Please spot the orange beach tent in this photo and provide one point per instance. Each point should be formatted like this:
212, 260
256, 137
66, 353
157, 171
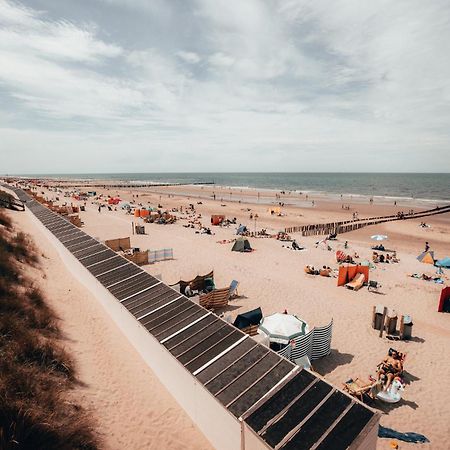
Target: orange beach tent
426, 257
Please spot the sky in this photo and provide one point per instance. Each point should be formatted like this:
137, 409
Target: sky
93, 86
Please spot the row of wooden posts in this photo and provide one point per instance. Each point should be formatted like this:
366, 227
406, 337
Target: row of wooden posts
351, 225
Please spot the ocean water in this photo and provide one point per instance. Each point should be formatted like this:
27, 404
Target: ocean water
428, 186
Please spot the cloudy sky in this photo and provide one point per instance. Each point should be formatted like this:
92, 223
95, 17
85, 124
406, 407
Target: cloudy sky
223, 85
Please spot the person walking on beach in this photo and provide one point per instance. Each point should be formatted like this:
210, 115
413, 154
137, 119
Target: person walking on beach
427, 246
99, 208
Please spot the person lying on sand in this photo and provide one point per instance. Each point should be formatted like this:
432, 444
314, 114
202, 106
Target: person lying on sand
325, 271
311, 271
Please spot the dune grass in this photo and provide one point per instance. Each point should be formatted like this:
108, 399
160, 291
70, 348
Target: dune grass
36, 372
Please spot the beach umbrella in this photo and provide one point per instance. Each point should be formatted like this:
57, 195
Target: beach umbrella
378, 237
281, 328
444, 262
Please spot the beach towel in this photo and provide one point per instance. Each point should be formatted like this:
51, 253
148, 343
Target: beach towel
389, 433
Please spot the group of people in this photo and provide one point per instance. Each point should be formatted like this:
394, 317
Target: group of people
380, 258
325, 271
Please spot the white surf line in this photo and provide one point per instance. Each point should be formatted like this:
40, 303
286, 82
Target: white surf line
185, 327
159, 307
243, 338
140, 292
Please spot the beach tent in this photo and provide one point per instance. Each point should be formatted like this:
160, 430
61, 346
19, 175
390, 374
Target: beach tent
444, 262
281, 328
444, 301
426, 257
248, 318
241, 245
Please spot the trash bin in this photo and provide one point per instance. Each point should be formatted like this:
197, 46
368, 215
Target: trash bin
391, 321
406, 327
377, 317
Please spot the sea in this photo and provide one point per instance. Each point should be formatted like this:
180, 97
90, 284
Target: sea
417, 186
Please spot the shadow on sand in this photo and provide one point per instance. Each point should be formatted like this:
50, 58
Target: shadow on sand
328, 363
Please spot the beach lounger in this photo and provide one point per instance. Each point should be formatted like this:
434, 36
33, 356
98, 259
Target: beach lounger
356, 283
360, 389
234, 289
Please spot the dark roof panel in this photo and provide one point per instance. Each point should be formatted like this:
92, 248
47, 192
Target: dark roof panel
280, 400
296, 413
223, 363
345, 431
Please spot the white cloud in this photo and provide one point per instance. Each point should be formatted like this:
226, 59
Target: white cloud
224, 80
219, 59
189, 57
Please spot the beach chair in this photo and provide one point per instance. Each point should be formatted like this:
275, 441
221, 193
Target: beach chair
360, 389
356, 283
373, 286
234, 289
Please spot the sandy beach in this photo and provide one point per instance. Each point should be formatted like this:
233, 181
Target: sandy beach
273, 278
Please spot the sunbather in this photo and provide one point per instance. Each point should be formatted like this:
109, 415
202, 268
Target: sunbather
311, 271
389, 368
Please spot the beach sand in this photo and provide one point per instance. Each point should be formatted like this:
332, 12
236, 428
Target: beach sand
271, 277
